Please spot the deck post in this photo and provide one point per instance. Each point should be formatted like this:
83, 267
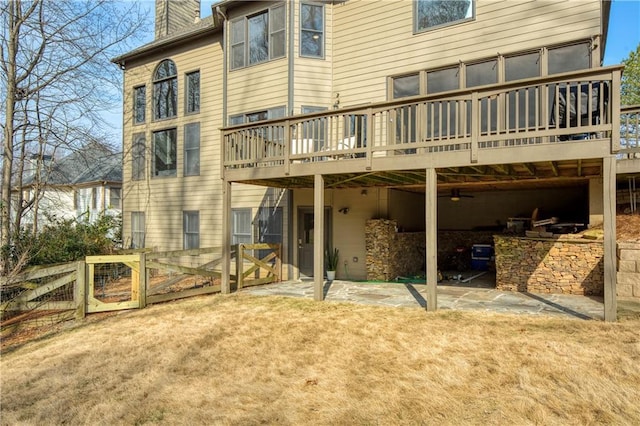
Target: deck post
431, 227
225, 287
143, 281
318, 238
609, 201
80, 290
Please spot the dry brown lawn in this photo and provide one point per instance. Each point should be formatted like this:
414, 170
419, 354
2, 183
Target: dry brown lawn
244, 359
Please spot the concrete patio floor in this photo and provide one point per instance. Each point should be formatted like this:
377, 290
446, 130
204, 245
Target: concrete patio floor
450, 296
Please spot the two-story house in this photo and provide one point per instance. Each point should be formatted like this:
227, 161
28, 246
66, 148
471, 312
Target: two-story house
81, 185
298, 121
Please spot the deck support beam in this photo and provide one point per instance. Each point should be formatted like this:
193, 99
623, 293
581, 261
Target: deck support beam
318, 238
226, 238
609, 210
431, 227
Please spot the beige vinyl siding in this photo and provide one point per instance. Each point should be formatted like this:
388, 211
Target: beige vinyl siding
313, 76
376, 39
163, 199
259, 86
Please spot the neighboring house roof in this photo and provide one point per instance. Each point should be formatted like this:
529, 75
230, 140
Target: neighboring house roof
203, 26
93, 163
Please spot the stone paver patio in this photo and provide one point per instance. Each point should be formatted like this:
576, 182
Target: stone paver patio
450, 296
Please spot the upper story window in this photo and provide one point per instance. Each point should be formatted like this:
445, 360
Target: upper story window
139, 104
312, 30
138, 157
164, 153
258, 38
165, 90
193, 92
436, 13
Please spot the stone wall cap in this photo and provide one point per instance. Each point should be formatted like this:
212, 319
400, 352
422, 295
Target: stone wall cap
629, 245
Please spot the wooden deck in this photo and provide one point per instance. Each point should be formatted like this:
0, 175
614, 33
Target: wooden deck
535, 131
549, 127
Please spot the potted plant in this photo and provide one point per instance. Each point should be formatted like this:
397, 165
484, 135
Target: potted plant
332, 263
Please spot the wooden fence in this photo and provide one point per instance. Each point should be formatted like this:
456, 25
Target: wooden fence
132, 281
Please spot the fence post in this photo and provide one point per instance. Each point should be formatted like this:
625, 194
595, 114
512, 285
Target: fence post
80, 290
142, 282
239, 266
279, 263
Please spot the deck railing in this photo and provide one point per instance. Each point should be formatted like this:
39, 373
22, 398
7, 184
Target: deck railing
545, 110
630, 132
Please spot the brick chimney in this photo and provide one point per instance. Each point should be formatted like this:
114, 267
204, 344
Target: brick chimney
174, 15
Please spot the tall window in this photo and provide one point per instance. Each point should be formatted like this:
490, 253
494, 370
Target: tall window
193, 92
435, 13
312, 30
137, 230
138, 157
139, 104
164, 153
258, 38
192, 149
115, 198
191, 225
165, 90
241, 226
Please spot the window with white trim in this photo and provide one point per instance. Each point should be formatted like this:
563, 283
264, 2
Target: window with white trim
137, 230
258, 38
115, 198
241, 226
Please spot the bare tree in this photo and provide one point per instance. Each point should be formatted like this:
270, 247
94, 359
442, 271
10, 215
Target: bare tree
57, 82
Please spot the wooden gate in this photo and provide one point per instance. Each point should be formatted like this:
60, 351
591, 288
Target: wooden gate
113, 283
263, 267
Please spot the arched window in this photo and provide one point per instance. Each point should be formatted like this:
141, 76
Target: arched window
165, 90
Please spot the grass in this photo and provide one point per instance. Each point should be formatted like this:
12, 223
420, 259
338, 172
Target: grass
243, 359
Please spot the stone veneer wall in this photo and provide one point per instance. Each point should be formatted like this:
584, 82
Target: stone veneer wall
628, 278
562, 265
391, 254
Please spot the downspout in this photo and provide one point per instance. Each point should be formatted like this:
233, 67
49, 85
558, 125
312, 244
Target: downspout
290, 101
222, 13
